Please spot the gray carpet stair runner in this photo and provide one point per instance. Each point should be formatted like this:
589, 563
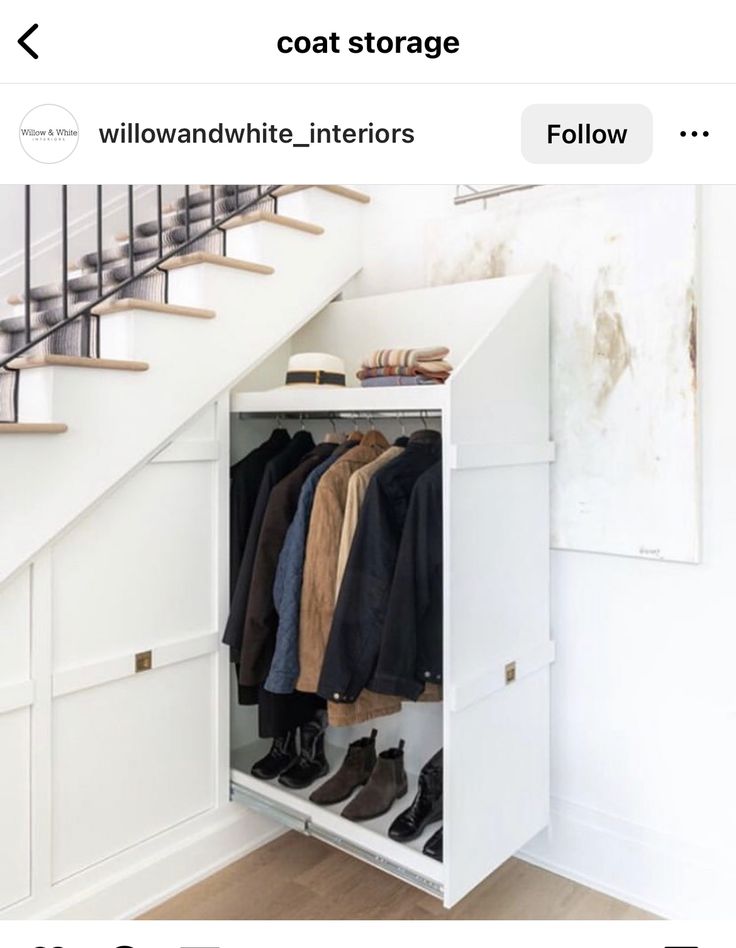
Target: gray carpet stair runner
46, 301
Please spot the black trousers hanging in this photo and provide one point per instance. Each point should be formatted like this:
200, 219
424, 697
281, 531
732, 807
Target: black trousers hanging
278, 714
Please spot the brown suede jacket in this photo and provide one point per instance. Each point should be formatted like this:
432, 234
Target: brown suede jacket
321, 556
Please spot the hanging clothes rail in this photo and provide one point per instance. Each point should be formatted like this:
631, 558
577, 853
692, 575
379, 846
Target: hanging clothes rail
475, 194
345, 415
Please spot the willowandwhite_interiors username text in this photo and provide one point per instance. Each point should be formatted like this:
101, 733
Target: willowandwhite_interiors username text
263, 133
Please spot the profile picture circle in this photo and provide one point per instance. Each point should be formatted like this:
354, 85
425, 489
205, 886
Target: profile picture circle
49, 133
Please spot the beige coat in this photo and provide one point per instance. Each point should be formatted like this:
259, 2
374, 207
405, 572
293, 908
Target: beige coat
357, 486
320, 557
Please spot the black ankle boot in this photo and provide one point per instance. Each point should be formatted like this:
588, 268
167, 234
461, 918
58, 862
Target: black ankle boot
311, 764
426, 807
433, 846
281, 756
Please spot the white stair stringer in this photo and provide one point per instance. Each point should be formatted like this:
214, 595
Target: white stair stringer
117, 420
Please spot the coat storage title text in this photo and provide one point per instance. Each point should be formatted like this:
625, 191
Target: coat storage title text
430, 46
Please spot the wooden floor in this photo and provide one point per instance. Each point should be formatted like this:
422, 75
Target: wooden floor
296, 877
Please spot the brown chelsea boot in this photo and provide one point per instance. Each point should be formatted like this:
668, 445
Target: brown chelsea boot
387, 783
354, 772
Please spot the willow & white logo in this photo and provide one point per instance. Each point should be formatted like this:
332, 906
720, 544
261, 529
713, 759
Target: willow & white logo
49, 133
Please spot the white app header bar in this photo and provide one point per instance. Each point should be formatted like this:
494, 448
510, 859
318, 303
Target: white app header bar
370, 133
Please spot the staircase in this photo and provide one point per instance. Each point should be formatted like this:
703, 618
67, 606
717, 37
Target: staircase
105, 380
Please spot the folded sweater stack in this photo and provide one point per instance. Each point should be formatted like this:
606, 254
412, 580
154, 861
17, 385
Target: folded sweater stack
386, 367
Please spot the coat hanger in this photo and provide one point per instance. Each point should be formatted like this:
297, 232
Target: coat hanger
332, 437
402, 440
356, 435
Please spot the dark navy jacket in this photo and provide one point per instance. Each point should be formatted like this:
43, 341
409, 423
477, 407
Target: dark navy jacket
410, 655
361, 609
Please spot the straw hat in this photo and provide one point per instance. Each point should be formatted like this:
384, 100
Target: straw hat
315, 368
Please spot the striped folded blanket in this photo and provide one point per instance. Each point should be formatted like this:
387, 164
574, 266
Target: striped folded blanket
388, 381
407, 357
437, 369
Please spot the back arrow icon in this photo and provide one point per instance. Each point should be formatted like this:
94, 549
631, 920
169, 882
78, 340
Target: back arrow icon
24, 37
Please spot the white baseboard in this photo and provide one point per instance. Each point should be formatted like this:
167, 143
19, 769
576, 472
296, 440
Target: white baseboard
648, 869
141, 878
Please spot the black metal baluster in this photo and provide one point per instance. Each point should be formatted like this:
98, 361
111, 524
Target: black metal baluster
131, 233
16, 392
212, 204
160, 219
99, 239
186, 211
87, 324
27, 264
237, 195
64, 254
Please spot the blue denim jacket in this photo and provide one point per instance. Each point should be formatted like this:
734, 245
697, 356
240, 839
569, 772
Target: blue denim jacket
287, 588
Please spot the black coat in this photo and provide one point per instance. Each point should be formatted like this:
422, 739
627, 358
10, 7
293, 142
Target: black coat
360, 612
245, 481
277, 714
261, 619
279, 466
411, 644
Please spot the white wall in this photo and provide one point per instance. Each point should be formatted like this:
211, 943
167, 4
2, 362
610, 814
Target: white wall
644, 697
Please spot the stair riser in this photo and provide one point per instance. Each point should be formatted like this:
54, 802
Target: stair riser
53, 393
318, 206
265, 242
118, 335
36, 395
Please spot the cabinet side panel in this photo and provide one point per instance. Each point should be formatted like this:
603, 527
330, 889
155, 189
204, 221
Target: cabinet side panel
15, 800
499, 567
497, 738
15, 629
496, 781
496, 613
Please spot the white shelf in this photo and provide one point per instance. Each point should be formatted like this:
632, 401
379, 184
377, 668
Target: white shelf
306, 400
370, 837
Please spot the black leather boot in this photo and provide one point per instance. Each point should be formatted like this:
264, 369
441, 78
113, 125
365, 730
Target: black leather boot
311, 764
281, 756
433, 846
426, 806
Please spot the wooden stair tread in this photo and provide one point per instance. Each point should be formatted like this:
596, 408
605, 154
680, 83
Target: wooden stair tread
149, 306
201, 256
351, 193
79, 362
255, 217
31, 427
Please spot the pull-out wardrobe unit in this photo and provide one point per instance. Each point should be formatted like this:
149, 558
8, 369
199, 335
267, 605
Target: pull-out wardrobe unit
493, 722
